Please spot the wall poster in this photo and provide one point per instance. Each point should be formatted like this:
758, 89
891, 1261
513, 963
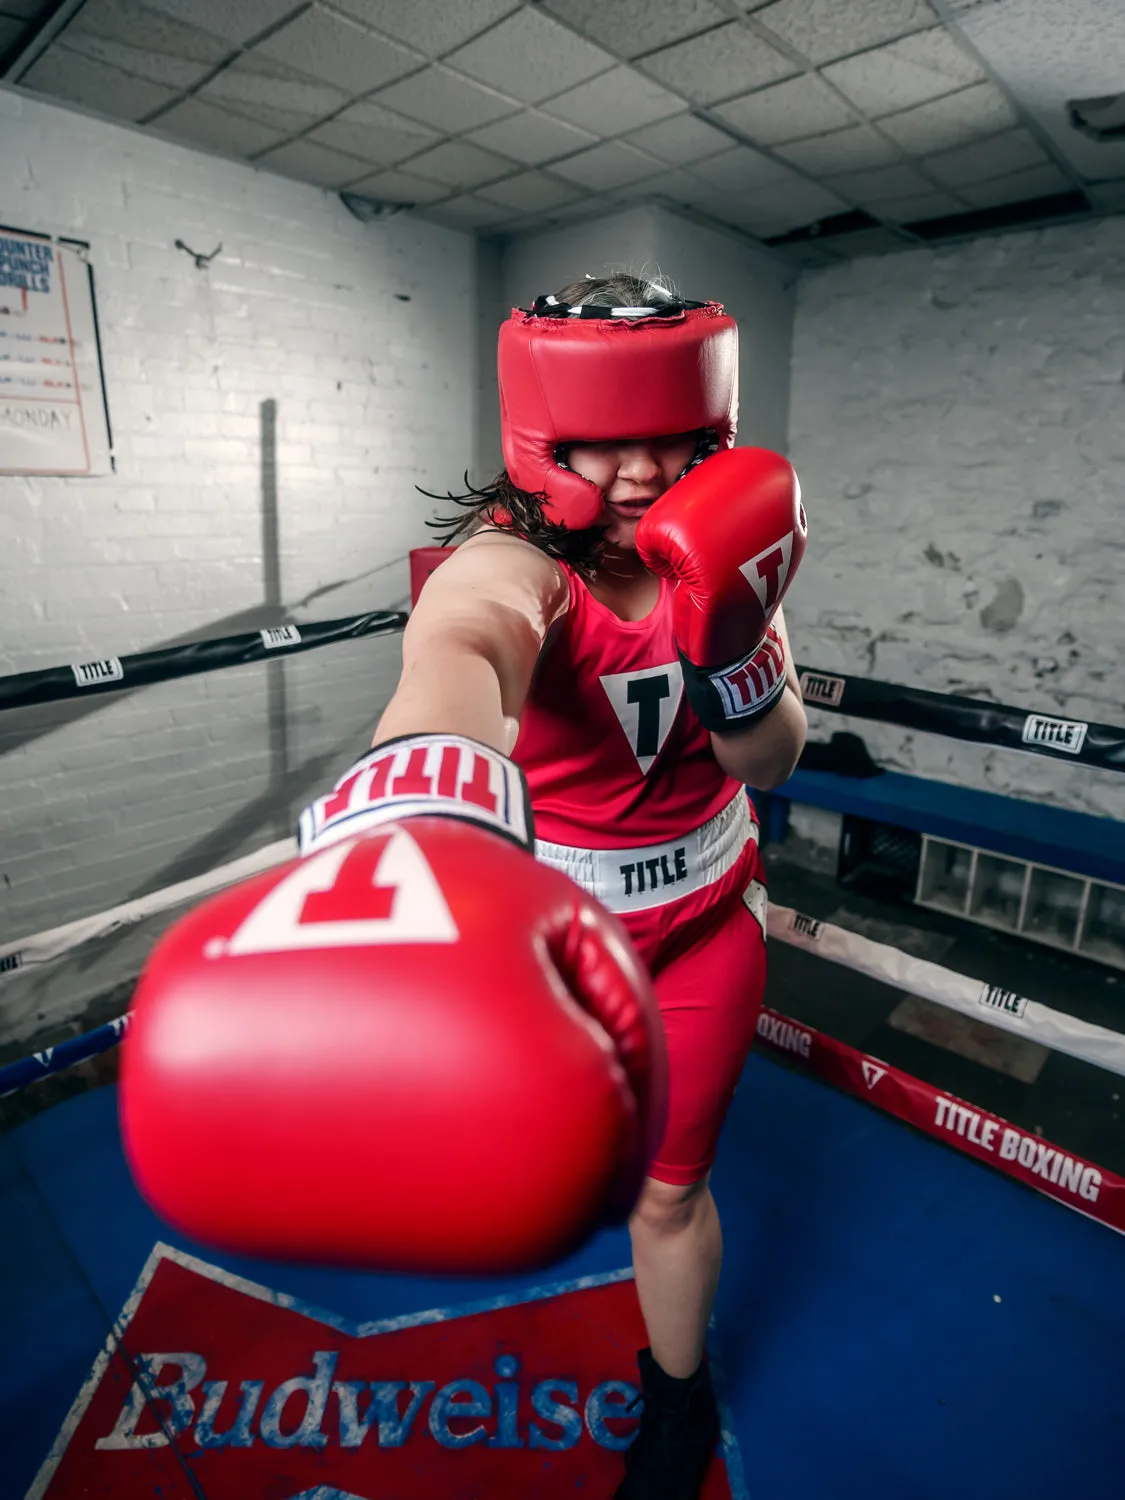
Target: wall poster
54, 417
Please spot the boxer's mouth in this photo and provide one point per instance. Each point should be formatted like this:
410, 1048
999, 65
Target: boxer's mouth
635, 506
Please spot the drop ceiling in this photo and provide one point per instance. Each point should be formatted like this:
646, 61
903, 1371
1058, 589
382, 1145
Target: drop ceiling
825, 128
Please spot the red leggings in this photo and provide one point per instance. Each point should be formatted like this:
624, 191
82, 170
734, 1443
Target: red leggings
707, 956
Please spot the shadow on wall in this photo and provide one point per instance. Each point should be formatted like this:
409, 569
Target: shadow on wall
270, 811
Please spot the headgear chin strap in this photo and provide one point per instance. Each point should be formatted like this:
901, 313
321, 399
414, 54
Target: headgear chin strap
592, 374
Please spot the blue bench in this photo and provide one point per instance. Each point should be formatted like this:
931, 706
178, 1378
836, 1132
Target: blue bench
1073, 841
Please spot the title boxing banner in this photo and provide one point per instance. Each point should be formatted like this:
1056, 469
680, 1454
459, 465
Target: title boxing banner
52, 396
213, 1385
1067, 1178
965, 718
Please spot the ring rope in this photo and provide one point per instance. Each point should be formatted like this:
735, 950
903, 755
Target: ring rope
971, 997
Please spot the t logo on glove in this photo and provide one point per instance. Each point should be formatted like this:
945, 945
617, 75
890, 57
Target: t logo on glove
414, 1048
744, 503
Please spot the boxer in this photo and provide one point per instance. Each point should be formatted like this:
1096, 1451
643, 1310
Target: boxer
595, 675
612, 619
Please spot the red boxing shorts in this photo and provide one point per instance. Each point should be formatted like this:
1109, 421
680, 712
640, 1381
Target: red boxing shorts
705, 948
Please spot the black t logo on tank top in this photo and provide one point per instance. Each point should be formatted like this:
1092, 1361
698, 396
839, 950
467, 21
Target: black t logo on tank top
646, 703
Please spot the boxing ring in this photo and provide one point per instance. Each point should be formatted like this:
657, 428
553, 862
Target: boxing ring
920, 1297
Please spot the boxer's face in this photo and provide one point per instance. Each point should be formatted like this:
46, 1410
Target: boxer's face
631, 473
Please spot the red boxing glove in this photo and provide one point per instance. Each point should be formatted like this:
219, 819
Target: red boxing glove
731, 535
413, 1048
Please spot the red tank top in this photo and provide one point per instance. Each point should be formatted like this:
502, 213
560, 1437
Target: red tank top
612, 752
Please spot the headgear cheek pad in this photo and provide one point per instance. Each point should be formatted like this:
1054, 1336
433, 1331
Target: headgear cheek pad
595, 374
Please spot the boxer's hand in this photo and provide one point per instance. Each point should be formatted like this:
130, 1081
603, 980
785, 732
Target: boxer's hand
731, 535
413, 1048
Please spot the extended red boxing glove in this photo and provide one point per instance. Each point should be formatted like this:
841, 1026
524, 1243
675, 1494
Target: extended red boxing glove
412, 1048
731, 535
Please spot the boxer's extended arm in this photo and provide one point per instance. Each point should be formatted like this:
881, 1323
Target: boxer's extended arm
766, 754
472, 641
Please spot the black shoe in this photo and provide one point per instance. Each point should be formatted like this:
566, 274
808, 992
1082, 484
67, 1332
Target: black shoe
668, 1458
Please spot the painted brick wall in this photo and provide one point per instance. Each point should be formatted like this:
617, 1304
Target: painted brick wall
958, 422
366, 339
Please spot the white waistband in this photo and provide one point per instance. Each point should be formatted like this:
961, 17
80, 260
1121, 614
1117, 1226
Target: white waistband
636, 879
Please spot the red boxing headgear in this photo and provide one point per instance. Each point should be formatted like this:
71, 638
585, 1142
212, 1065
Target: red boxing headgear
592, 374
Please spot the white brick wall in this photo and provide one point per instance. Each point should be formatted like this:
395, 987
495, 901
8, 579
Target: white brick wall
958, 422
374, 394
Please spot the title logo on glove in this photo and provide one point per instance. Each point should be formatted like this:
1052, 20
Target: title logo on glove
419, 775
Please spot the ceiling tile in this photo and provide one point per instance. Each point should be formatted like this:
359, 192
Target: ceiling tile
619, 100
953, 121
826, 29
460, 165
147, 62
608, 166
399, 187
376, 134
532, 137
632, 27
681, 139
147, 44
1010, 151
843, 151
740, 168
467, 212
678, 185
272, 93
531, 192
446, 101
218, 129
879, 183
1035, 182
530, 57
719, 64
691, 192
312, 163
904, 73
62, 74
431, 26
788, 111
919, 207
237, 23
777, 207
342, 53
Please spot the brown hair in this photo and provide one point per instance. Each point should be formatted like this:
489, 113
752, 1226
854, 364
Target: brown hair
503, 503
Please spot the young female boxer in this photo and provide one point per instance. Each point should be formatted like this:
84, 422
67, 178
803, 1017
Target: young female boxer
563, 632
609, 636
